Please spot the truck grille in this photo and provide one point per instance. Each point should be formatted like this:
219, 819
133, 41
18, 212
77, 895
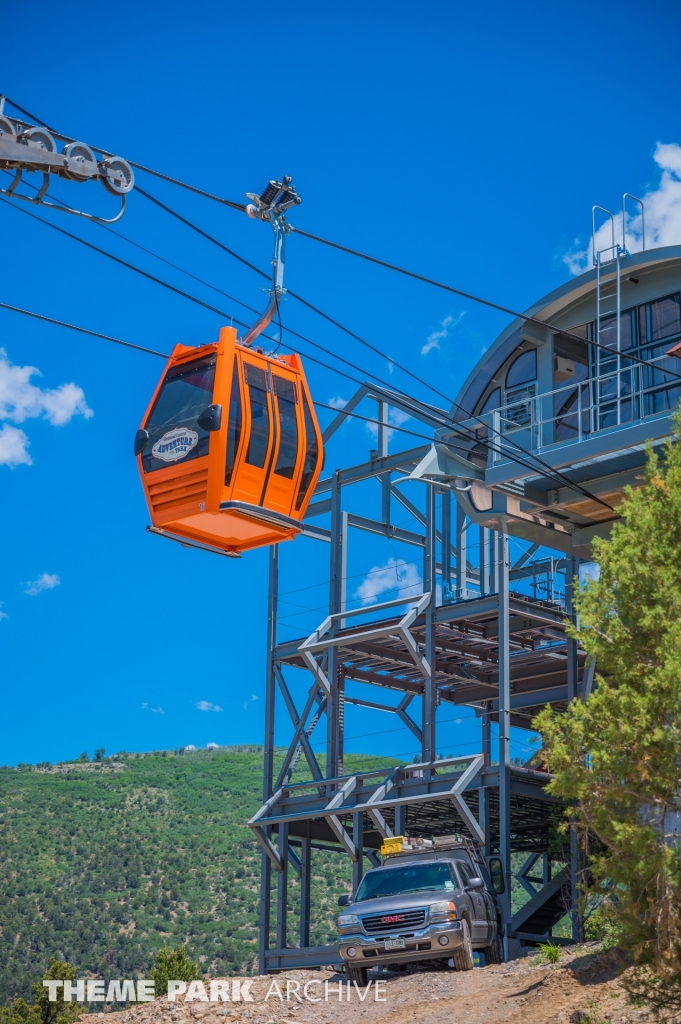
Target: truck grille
396, 922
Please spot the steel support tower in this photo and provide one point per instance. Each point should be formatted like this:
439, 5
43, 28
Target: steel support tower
473, 637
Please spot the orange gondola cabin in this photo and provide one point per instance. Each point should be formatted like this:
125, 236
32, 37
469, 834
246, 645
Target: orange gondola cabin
230, 450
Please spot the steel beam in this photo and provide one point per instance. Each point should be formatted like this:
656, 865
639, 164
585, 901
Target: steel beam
504, 721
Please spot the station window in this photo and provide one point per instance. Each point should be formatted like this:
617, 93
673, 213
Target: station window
664, 319
523, 369
493, 401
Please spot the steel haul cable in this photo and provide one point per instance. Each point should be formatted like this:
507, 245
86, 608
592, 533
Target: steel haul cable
552, 472
162, 355
365, 256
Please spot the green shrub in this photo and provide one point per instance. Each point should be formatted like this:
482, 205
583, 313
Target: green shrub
173, 965
550, 951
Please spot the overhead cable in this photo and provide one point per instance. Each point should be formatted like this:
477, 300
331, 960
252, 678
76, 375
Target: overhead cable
83, 330
365, 256
484, 302
294, 295
163, 355
148, 170
555, 474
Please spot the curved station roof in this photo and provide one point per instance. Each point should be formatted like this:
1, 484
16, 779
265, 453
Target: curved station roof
562, 420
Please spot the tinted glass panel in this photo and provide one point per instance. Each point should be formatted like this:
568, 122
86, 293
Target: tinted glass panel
665, 317
288, 445
609, 331
311, 454
234, 425
256, 380
523, 369
412, 878
174, 435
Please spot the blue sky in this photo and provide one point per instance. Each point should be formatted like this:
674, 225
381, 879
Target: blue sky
468, 142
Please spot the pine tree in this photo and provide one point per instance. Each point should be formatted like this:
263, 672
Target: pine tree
617, 755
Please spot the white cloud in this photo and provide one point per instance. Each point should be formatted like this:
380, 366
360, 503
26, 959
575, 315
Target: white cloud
13, 447
212, 746
205, 705
190, 746
21, 400
254, 696
46, 581
3, 615
402, 578
662, 215
338, 402
158, 711
434, 339
395, 416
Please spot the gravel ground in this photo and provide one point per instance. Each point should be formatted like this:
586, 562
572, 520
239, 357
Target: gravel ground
582, 987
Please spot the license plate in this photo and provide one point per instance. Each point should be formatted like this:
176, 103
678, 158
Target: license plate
395, 943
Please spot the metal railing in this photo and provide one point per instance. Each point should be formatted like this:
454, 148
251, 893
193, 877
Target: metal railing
620, 395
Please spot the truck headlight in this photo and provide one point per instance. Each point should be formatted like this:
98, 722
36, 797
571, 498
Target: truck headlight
346, 919
443, 911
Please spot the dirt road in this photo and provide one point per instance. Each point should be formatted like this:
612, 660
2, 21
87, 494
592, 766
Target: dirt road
582, 987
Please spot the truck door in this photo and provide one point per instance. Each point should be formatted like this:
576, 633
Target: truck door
480, 923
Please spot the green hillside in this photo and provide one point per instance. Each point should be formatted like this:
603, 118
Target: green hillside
102, 863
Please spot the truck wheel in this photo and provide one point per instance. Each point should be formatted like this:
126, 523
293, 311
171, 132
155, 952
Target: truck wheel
358, 975
463, 956
494, 954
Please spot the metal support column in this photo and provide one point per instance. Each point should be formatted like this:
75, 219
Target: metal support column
502, 572
484, 561
282, 889
383, 435
571, 569
268, 767
446, 556
335, 605
570, 574
461, 553
430, 692
493, 563
483, 792
305, 879
358, 840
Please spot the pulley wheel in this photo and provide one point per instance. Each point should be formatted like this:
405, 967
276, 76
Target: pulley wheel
81, 153
125, 179
39, 138
7, 128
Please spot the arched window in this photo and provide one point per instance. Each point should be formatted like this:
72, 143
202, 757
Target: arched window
523, 369
493, 401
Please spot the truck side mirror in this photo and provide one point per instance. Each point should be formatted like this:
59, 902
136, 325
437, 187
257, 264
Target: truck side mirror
475, 883
344, 901
211, 418
497, 873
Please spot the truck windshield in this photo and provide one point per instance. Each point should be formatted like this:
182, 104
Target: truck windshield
407, 878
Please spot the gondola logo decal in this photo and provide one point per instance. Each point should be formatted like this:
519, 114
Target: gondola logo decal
175, 444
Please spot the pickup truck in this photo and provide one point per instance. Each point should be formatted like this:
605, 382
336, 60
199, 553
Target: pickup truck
431, 900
